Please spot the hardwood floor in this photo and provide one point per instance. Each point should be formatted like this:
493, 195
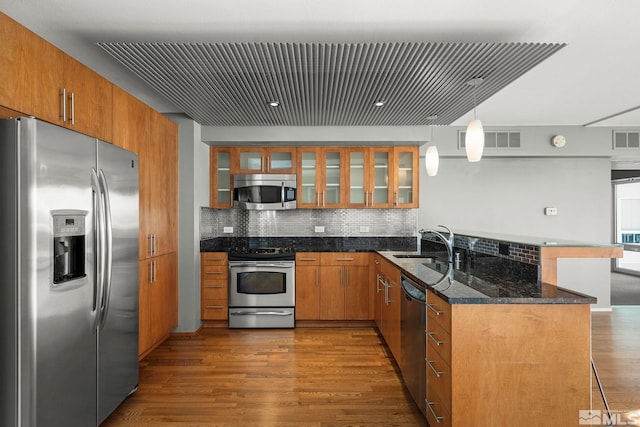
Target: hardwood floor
291, 377
326, 377
616, 353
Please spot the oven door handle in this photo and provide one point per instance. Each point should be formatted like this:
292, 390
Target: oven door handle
259, 265
261, 313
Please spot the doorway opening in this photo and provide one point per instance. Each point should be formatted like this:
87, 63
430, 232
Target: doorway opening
625, 271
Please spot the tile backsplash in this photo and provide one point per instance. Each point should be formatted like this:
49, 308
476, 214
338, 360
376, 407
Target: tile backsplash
303, 222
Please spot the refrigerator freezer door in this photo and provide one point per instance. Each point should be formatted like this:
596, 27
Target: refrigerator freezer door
57, 346
118, 331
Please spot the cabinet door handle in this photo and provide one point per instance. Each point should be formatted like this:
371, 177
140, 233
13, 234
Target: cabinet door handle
429, 404
435, 371
434, 339
366, 199
317, 281
324, 199
63, 104
435, 310
346, 271
395, 198
72, 98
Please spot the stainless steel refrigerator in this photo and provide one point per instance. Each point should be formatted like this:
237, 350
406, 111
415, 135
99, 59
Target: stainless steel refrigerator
69, 263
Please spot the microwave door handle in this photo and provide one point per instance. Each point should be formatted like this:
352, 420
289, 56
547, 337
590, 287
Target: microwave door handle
282, 194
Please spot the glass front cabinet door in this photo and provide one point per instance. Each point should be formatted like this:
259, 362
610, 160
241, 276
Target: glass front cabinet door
220, 177
265, 160
320, 178
406, 177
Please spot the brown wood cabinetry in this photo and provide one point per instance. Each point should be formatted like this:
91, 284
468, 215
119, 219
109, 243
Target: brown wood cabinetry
308, 286
158, 313
264, 160
405, 177
321, 180
388, 294
332, 286
344, 291
38, 79
214, 286
497, 363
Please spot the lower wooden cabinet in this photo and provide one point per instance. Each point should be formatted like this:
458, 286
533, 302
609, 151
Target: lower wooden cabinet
158, 313
387, 310
214, 286
332, 286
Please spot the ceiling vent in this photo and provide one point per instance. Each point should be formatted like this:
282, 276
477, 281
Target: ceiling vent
626, 139
503, 139
327, 84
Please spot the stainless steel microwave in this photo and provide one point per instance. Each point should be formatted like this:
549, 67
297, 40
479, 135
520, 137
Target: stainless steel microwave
264, 191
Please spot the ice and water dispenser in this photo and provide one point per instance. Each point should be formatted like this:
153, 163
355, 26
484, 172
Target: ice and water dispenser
68, 245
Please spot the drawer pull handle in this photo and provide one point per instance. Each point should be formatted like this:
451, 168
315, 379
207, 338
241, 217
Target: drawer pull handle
435, 371
215, 286
215, 306
214, 259
344, 259
307, 259
434, 339
214, 272
438, 419
435, 310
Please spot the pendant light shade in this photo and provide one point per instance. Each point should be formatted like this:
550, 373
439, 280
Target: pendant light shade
432, 160
474, 141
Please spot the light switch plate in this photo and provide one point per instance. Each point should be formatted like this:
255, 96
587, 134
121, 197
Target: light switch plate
319, 228
364, 229
551, 211
227, 230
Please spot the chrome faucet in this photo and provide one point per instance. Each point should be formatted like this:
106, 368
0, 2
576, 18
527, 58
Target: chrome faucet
448, 243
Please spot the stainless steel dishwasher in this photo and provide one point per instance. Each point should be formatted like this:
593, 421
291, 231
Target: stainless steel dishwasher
413, 341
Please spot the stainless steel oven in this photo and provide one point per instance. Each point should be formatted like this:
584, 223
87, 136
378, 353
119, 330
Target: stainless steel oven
262, 292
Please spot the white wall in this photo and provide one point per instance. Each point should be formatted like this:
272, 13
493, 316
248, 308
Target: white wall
193, 192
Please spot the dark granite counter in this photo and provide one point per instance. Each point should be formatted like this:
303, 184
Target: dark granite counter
468, 289
312, 244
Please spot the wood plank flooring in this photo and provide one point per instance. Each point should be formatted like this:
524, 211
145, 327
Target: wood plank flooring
292, 377
616, 353
326, 377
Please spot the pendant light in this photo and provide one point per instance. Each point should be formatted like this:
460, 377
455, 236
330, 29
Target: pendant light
431, 157
432, 160
474, 138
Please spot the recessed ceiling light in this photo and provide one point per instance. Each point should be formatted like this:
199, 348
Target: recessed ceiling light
378, 103
274, 103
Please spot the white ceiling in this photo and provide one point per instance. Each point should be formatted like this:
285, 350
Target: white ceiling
594, 77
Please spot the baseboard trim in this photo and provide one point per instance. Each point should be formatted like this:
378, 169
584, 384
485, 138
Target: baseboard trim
601, 309
187, 334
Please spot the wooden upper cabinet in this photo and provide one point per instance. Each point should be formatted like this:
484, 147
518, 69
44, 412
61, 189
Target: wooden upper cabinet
369, 178
31, 71
131, 121
220, 184
89, 100
321, 181
264, 160
406, 177
38, 79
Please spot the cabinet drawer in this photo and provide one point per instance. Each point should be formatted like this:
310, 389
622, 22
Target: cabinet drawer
214, 258
437, 412
214, 289
438, 311
215, 309
219, 272
438, 376
439, 339
344, 258
307, 258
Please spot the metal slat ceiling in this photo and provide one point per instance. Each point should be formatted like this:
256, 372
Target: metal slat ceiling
327, 84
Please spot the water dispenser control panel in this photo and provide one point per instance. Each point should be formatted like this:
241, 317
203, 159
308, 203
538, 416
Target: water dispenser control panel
69, 245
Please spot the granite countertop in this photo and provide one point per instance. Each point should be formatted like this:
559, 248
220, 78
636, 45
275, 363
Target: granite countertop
534, 241
467, 289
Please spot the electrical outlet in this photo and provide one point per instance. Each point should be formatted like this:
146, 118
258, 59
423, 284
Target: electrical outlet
227, 230
364, 229
319, 228
551, 211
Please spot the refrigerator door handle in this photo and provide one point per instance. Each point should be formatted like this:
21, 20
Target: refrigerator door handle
99, 250
108, 247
